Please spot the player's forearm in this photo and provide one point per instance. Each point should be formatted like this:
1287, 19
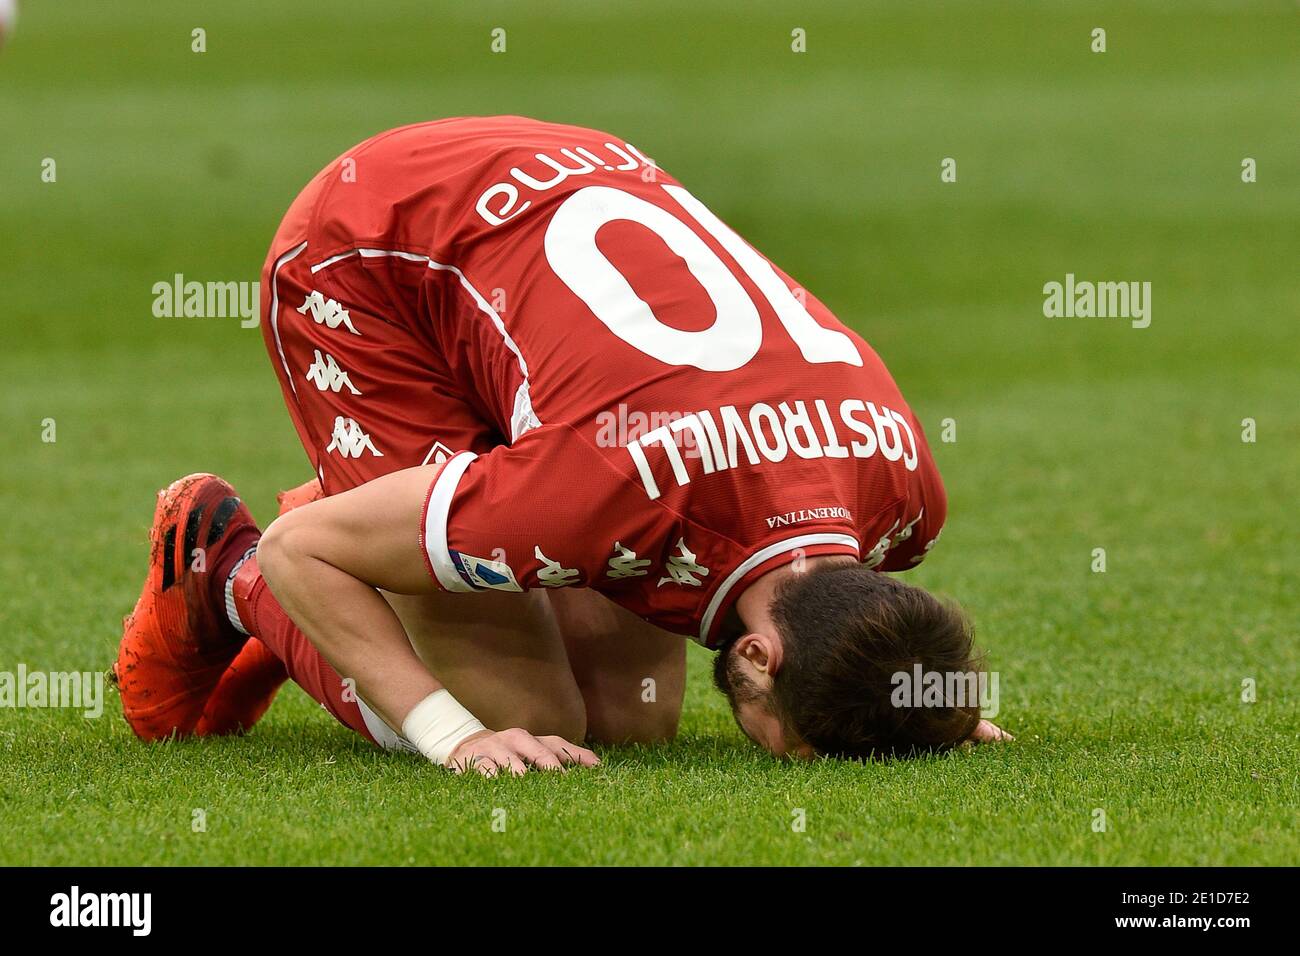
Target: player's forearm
348, 620
326, 563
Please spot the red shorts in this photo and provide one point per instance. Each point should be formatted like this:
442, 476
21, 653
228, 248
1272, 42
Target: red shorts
366, 383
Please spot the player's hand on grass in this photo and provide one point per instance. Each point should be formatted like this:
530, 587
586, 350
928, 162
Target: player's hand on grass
988, 732
516, 751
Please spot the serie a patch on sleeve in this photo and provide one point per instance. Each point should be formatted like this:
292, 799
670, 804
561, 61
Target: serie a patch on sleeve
481, 573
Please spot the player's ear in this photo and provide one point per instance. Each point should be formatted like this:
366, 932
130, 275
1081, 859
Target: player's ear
762, 651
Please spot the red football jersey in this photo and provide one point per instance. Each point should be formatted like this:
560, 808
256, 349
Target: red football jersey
682, 416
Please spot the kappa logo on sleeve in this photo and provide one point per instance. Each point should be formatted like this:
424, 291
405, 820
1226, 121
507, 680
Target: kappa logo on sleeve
624, 564
554, 574
918, 558
327, 312
325, 374
683, 568
876, 556
483, 573
350, 441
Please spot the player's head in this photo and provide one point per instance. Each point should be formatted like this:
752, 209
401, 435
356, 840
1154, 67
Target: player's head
835, 673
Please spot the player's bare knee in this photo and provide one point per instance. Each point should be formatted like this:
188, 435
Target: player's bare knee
559, 714
614, 718
567, 719
277, 547
271, 550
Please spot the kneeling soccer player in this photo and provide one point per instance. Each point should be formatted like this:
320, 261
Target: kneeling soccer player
560, 414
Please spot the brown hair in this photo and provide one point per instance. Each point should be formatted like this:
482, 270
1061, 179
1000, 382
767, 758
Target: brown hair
848, 632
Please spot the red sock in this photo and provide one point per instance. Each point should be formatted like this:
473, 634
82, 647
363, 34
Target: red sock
261, 614
232, 550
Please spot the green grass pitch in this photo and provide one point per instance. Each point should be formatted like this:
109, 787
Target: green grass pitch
1124, 687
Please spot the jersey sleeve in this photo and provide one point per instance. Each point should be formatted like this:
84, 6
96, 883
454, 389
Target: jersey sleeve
920, 519
547, 512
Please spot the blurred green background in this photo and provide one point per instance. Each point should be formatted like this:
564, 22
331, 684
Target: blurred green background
1072, 434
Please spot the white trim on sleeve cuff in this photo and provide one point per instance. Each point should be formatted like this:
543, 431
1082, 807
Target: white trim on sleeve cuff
435, 523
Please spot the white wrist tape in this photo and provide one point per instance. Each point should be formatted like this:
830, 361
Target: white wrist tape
436, 726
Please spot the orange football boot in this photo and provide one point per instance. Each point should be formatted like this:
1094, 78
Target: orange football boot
246, 691
177, 642
252, 680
